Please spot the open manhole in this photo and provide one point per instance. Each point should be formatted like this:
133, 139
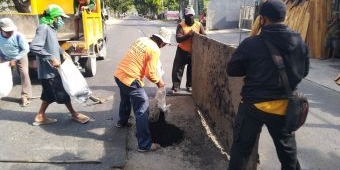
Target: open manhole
164, 133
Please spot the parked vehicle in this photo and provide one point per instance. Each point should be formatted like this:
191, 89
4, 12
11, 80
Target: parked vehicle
86, 50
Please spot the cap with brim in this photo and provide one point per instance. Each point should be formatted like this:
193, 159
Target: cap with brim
7, 25
55, 11
164, 34
189, 11
65, 16
274, 9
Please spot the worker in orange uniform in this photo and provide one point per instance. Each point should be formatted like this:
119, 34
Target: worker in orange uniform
184, 33
141, 60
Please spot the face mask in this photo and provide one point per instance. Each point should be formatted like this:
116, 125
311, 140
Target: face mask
7, 34
189, 20
59, 23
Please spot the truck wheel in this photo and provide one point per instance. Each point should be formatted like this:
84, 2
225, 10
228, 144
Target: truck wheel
90, 66
102, 52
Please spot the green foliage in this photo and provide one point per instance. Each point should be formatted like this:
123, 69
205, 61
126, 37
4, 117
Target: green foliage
172, 5
119, 6
155, 6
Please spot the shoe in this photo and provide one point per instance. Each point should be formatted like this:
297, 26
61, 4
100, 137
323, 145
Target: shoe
189, 89
154, 147
173, 91
120, 125
46, 121
81, 118
25, 102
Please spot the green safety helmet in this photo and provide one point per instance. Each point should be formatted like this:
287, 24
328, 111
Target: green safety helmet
54, 11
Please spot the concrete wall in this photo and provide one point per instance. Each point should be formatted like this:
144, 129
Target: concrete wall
216, 95
222, 14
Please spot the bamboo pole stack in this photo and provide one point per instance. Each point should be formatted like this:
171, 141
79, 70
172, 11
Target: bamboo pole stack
308, 17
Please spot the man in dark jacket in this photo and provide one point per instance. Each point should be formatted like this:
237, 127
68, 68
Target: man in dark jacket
264, 99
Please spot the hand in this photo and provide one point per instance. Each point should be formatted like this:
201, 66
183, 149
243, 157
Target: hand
12, 63
191, 33
55, 62
66, 56
160, 84
84, 7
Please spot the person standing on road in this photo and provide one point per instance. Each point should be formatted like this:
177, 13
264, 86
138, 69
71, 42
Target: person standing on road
46, 47
79, 6
141, 60
184, 33
264, 99
14, 48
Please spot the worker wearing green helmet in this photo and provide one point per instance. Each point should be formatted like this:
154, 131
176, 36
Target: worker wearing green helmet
45, 47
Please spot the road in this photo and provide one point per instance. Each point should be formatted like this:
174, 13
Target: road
67, 145
318, 140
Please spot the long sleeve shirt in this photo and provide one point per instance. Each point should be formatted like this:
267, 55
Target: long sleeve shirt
141, 60
45, 46
14, 47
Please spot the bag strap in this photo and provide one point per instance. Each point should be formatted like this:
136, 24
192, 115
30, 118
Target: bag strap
278, 60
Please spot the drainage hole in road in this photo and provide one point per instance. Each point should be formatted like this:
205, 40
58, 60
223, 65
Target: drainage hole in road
164, 133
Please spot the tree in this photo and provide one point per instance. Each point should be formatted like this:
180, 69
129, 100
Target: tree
172, 5
20, 5
119, 6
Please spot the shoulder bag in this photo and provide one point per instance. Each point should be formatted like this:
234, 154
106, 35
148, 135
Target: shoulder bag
297, 109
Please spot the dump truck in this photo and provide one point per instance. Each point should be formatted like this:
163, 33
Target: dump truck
85, 51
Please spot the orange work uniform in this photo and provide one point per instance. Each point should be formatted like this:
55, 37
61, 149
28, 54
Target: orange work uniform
187, 44
140, 60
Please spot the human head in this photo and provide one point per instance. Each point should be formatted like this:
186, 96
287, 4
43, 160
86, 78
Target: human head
84, 2
189, 11
53, 15
7, 27
164, 36
189, 14
273, 10
55, 11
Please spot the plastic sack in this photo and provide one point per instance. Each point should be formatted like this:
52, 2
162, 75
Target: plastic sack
73, 81
160, 98
6, 84
160, 106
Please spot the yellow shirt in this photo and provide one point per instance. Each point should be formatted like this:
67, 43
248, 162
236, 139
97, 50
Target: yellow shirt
140, 60
187, 44
277, 107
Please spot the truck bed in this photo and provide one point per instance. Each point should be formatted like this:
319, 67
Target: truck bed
27, 24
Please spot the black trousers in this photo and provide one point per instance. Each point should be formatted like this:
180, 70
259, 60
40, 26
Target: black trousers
247, 127
53, 91
182, 58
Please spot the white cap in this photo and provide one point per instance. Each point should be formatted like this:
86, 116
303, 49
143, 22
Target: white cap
189, 11
7, 25
164, 34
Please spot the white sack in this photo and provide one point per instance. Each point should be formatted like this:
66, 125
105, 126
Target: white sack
6, 83
73, 81
160, 105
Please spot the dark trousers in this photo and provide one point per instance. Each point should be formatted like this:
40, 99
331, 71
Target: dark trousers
54, 91
247, 127
182, 58
136, 96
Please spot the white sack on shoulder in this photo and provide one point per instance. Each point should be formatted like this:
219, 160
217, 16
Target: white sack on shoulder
6, 83
73, 81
